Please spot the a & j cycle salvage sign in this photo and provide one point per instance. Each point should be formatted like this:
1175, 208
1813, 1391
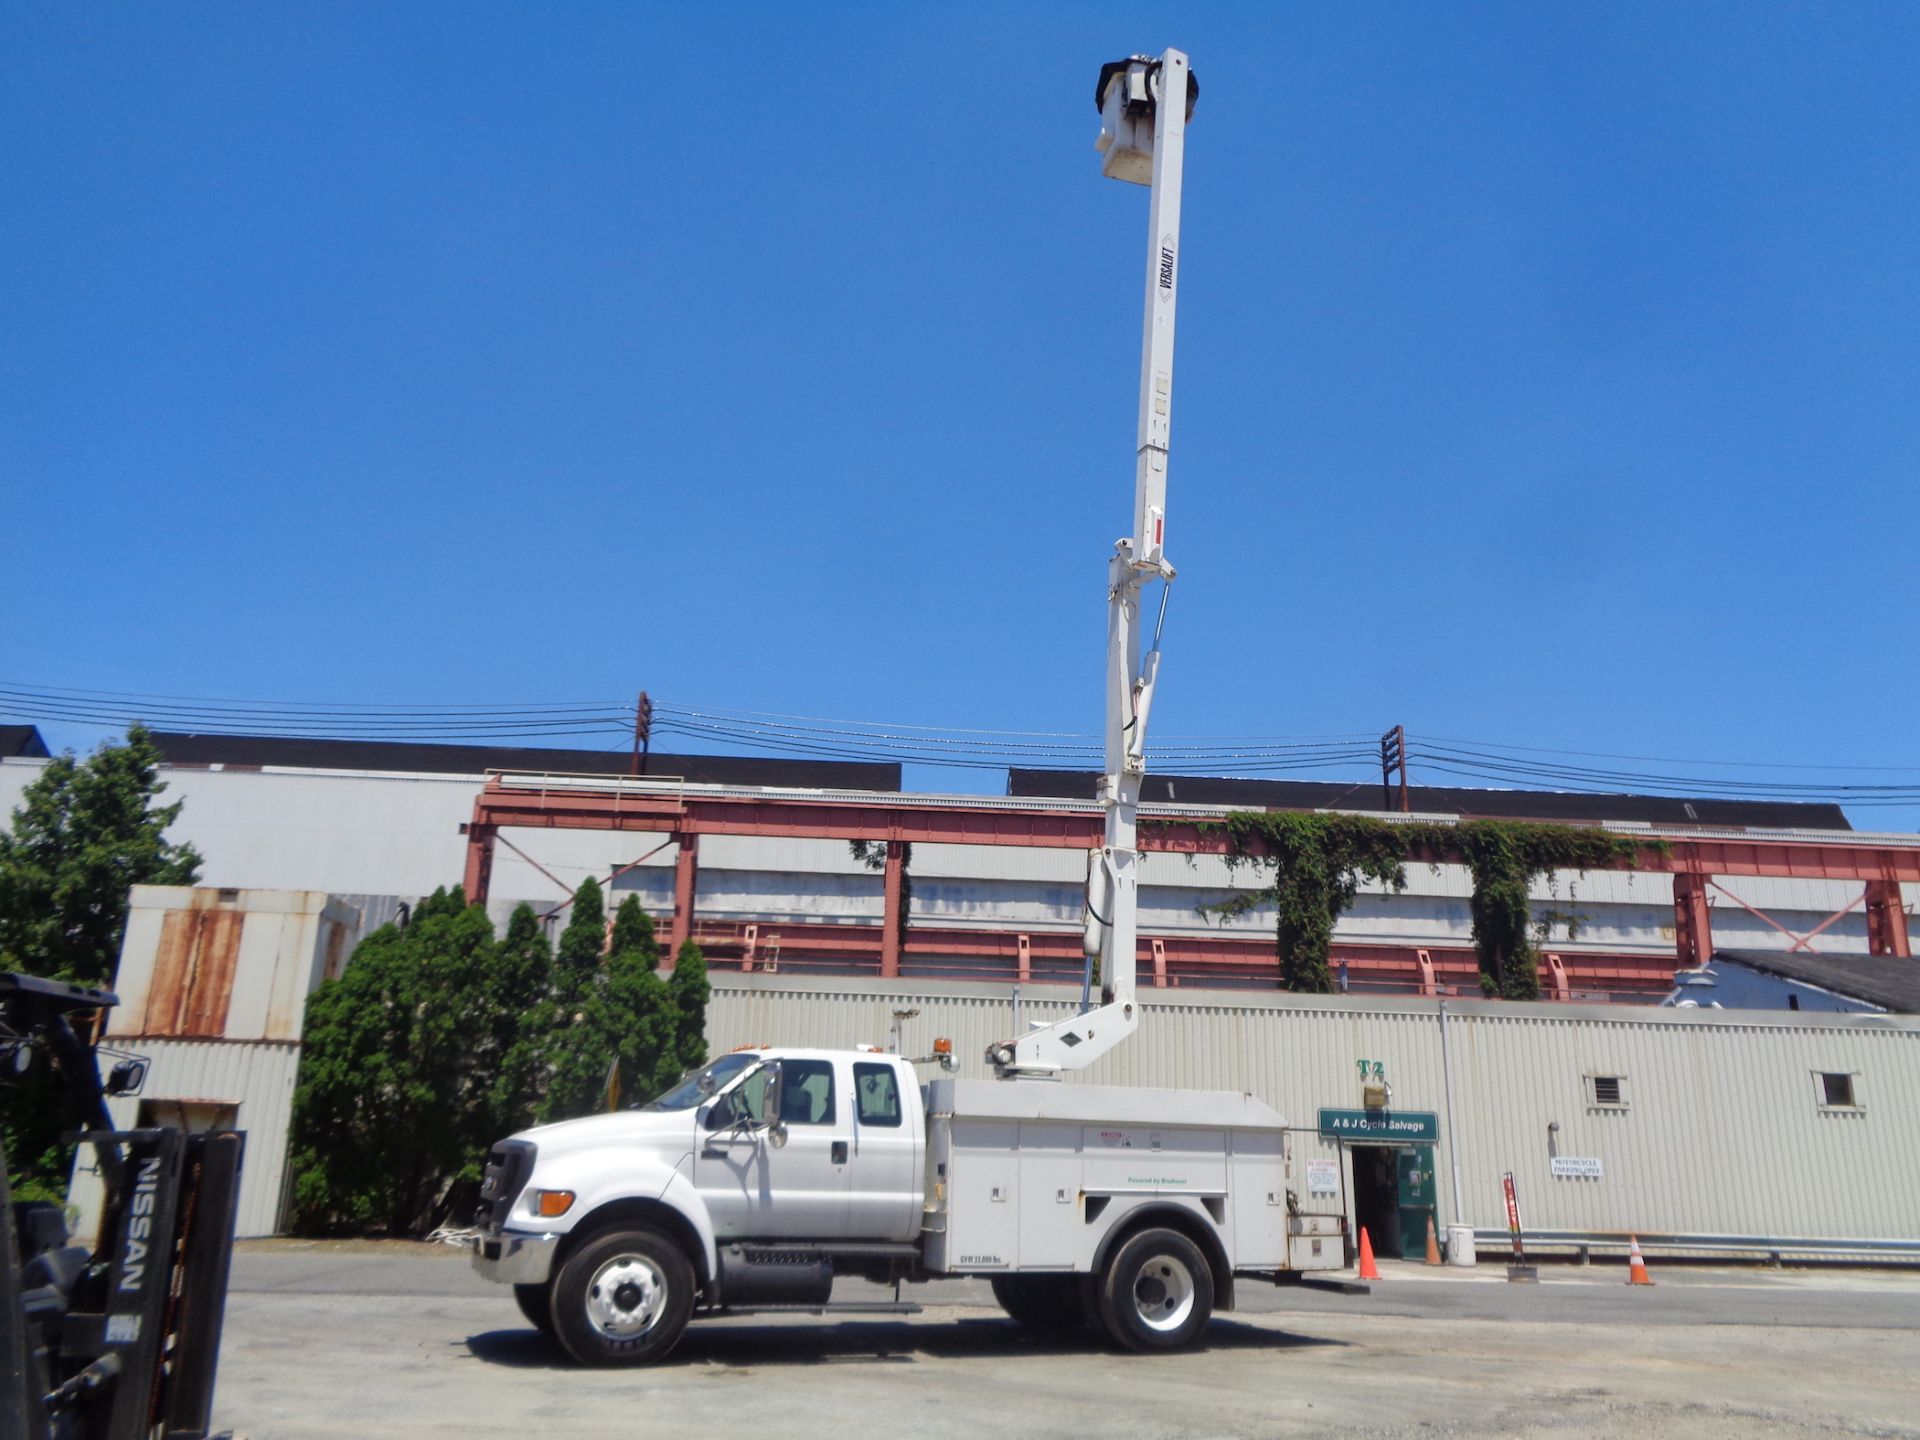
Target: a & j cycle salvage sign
1380, 1124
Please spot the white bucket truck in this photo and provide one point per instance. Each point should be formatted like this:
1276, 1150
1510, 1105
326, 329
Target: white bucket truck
759, 1180
763, 1178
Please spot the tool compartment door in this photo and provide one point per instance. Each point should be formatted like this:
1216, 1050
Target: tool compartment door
983, 1212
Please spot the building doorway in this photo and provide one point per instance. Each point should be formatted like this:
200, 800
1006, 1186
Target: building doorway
1376, 1198
1393, 1198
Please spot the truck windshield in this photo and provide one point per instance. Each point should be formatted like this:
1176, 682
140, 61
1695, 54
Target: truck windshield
697, 1085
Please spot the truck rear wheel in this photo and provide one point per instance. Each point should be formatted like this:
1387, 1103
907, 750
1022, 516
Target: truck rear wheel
623, 1298
1045, 1304
1156, 1292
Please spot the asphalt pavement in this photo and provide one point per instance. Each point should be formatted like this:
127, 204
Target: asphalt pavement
380, 1341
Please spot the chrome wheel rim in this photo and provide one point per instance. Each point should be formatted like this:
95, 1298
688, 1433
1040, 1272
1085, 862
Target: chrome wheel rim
625, 1297
1163, 1293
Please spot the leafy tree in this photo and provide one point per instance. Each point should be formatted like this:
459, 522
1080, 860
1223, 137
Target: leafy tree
394, 1056
85, 833
689, 991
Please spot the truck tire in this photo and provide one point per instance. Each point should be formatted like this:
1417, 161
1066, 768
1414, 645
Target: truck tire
536, 1303
1156, 1292
1044, 1304
623, 1298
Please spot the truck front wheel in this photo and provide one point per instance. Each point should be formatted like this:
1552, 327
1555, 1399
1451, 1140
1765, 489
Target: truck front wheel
536, 1303
1156, 1292
623, 1298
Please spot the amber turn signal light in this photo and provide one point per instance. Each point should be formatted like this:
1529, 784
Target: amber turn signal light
553, 1202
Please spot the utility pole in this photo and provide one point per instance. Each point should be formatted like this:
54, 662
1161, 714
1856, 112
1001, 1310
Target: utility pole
1393, 756
642, 734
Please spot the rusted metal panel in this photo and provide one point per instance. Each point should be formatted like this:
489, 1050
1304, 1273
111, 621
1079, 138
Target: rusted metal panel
193, 972
172, 959
216, 958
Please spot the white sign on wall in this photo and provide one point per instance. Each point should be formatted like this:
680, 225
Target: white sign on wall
1323, 1177
1576, 1167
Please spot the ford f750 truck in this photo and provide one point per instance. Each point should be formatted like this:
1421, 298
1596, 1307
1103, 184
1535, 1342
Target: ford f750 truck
760, 1180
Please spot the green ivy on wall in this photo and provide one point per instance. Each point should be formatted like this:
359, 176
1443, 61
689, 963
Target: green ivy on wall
1317, 860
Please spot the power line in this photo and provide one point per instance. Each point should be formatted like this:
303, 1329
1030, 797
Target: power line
1498, 764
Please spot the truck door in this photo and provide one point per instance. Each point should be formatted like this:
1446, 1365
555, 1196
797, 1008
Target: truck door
884, 1203
754, 1189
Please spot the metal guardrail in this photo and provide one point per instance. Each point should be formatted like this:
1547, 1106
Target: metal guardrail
1491, 1240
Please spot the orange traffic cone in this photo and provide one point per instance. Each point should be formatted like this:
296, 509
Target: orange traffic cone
1637, 1265
1368, 1270
1433, 1243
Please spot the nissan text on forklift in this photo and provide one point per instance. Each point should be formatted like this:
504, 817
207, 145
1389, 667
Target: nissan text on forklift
757, 1181
118, 1341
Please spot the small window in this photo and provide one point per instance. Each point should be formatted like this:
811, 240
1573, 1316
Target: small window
879, 1093
1836, 1091
1609, 1090
806, 1092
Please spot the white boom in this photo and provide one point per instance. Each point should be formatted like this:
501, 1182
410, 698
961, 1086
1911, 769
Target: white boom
1144, 107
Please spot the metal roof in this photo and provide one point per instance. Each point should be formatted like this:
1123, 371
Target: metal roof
21, 740
1883, 980
1442, 800
255, 751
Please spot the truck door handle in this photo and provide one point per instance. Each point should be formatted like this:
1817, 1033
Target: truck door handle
839, 1152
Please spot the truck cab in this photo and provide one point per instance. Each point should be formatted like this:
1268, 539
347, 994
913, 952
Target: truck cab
757, 1172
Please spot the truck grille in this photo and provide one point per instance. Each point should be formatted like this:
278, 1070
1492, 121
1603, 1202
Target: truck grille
509, 1164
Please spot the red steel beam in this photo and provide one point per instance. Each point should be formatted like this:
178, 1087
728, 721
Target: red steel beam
1060, 950
500, 806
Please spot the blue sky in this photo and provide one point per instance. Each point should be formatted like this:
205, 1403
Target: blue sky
1547, 374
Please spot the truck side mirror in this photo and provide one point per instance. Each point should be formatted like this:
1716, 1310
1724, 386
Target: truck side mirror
770, 1101
776, 1088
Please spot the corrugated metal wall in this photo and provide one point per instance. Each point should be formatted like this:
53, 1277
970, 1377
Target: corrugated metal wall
1722, 1141
258, 1077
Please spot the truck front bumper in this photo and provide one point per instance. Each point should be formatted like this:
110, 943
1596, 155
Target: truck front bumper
510, 1259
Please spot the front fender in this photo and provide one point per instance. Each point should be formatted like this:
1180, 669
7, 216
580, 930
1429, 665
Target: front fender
599, 1180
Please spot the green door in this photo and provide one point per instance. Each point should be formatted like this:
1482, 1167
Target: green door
1415, 1166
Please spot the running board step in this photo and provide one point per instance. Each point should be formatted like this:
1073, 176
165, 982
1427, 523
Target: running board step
849, 1307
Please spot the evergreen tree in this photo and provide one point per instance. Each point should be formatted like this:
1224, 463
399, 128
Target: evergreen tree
577, 1057
688, 993
516, 1050
614, 1017
85, 833
394, 1049
635, 1015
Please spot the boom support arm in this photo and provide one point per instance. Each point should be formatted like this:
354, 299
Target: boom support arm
1144, 106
